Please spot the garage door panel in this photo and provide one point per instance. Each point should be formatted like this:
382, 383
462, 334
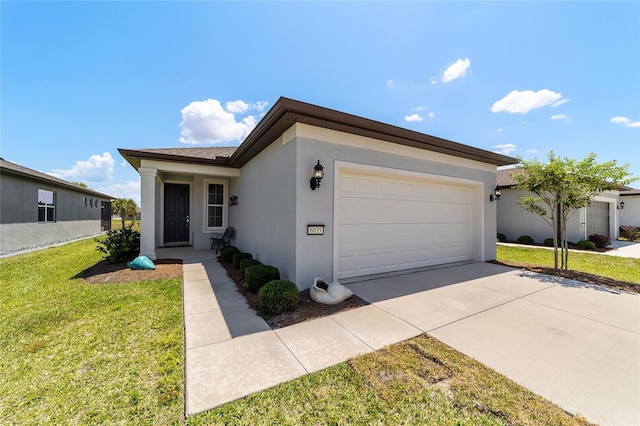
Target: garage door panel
392, 222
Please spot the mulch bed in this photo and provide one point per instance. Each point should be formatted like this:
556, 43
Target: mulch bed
307, 309
104, 272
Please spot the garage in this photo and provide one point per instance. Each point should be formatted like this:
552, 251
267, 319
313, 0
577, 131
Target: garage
598, 218
393, 220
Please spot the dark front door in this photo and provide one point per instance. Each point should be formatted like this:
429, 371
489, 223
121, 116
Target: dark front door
176, 213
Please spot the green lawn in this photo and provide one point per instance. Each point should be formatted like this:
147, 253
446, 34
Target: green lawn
617, 268
77, 353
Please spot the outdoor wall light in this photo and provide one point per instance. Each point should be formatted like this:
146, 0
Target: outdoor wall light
496, 194
621, 206
317, 176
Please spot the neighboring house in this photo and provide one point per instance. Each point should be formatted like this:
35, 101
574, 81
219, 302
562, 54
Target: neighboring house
391, 198
514, 221
629, 214
37, 210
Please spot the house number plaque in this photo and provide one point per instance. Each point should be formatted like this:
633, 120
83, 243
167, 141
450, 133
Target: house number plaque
315, 229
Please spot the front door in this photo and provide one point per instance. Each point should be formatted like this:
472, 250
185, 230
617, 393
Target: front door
176, 213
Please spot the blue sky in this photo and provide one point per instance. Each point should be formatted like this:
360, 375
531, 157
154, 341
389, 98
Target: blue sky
81, 79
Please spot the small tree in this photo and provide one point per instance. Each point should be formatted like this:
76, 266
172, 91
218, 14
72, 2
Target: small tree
125, 208
561, 187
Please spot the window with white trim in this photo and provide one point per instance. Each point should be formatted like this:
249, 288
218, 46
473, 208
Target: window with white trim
46, 206
215, 206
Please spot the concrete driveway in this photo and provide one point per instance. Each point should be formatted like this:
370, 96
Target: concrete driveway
575, 344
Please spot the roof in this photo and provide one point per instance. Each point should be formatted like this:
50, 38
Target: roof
504, 179
14, 169
286, 112
629, 191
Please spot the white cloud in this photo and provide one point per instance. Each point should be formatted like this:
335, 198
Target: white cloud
518, 102
499, 130
457, 70
127, 190
390, 83
418, 108
505, 148
532, 151
414, 117
99, 168
558, 117
207, 122
625, 121
431, 115
434, 80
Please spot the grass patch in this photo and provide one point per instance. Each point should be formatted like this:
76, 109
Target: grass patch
617, 268
420, 381
78, 353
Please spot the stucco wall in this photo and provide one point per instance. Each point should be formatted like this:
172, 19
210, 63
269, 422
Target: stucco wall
513, 221
630, 214
19, 226
265, 216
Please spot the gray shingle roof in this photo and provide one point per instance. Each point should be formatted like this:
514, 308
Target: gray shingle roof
10, 168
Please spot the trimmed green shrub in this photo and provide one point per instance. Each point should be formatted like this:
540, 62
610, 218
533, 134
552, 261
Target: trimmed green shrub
601, 241
257, 276
120, 244
239, 257
502, 238
245, 263
524, 239
631, 233
276, 297
548, 242
227, 253
585, 245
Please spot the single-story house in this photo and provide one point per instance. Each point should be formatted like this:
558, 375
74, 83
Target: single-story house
629, 213
600, 217
37, 210
390, 198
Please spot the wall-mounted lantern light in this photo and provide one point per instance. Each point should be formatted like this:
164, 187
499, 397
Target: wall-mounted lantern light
496, 194
621, 206
317, 176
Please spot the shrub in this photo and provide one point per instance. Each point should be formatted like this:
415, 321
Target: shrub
524, 239
276, 297
227, 253
245, 263
585, 245
548, 242
502, 238
601, 241
239, 257
630, 232
119, 244
257, 276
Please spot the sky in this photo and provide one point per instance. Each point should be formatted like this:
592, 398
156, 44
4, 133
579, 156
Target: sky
79, 80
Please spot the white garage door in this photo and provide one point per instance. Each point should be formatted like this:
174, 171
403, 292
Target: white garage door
392, 222
598, 218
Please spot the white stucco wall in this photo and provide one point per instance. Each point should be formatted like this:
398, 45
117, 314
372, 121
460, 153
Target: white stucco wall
514, 221
630, 214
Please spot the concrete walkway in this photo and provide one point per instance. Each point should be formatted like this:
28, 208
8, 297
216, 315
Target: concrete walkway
574, 344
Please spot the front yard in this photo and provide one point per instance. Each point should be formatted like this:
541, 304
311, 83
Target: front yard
79, 353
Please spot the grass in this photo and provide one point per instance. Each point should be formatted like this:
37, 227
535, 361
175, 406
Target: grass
77, 353
617, 268
419, 381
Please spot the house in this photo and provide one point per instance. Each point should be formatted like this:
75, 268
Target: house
37, 210
600, 217
629, 207
390, 198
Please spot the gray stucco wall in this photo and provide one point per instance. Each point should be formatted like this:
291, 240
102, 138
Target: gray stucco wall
19, 226
265, 216
630, 214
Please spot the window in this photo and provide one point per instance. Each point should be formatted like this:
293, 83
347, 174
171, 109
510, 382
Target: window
46, 206
215, 205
